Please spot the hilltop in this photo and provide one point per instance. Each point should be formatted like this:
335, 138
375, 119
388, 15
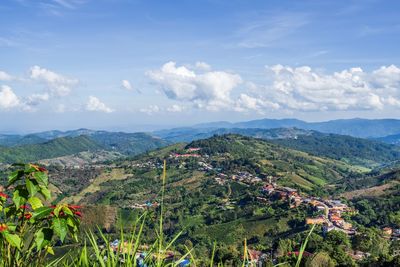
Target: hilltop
358, 151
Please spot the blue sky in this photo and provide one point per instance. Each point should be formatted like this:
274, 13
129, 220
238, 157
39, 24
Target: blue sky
129, 65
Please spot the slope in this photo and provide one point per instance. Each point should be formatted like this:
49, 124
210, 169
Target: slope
51, 149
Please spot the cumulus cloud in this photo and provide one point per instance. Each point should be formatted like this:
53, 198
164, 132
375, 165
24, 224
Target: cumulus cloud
304, 89
125, 84
8, 99
246, 102
94, 104
210, 90
202, 66
175, 108
58, 84
150, 109
4, 76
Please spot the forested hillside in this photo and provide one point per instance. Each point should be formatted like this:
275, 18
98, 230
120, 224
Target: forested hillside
51, 149
355, 150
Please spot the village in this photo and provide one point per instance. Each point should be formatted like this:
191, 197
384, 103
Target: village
330, 211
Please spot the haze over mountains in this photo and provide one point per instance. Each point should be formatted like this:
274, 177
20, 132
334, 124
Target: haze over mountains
357, 127
339, 139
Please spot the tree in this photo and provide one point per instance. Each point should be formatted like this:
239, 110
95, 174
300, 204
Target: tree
320, 259
284, 247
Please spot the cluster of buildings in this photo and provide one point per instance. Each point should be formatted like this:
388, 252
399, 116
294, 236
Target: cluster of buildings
332, 218
203, 166
190, 153
145, 205
243, 177
246, 178
148, 164
332, 210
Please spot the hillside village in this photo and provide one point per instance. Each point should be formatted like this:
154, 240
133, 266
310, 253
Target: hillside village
330, 211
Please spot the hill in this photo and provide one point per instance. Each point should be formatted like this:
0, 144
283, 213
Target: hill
50, 149
365, 152
359, 151
127, 143
73, 142
390, 139
14, 140
226, 156
191, 134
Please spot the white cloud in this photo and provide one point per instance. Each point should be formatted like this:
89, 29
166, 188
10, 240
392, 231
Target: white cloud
125, 84
94, 104
175, 108
150, 109
210, 90
202, 66
304, 89
58, 84
8, 99
4, 76
246, 102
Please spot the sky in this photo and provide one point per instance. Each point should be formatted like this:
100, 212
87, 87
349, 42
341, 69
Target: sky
142, 64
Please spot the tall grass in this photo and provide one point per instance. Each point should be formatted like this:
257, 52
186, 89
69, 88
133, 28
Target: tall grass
131, 251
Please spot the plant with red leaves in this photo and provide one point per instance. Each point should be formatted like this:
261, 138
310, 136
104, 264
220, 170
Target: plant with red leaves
30, 228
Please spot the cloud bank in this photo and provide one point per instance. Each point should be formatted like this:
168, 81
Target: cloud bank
209, 89
283, 88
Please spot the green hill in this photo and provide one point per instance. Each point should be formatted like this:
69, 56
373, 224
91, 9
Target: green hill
51, 149
127, 144
341, 147
365, 152
229, 155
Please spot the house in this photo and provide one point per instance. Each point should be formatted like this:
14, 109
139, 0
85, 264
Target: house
176, 155
359, 255
336, 219
193, 149
347, 225
318, 220
387, 231
269, 188
289, 190
338, 205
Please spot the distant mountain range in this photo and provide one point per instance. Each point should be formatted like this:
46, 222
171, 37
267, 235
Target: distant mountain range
338, 139
363, 128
